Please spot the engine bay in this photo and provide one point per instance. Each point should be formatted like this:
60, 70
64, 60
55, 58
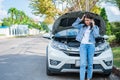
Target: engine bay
71, 41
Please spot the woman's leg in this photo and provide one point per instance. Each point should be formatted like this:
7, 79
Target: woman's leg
83, 59
90, 55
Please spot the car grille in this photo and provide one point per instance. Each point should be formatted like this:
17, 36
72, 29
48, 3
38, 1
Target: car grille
76, 53
72, 53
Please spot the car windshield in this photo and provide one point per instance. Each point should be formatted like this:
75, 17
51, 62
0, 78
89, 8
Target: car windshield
67, 33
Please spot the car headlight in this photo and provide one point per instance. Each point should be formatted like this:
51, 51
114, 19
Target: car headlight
58, 45
102, 47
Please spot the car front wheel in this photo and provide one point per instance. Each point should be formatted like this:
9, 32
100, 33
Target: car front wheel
47, 67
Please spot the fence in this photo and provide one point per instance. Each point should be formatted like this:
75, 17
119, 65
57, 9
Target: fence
18, 30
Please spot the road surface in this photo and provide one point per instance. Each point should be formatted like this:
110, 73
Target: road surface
25, 59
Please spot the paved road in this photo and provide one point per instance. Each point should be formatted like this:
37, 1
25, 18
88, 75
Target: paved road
24, 59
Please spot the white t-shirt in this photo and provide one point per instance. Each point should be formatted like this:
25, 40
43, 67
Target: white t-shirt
85, 39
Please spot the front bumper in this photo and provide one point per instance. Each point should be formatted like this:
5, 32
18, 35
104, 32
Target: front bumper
67, 63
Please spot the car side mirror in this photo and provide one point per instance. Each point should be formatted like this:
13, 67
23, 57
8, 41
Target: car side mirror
46, 35
106, 37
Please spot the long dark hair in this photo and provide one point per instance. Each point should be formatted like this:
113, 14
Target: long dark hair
89, 16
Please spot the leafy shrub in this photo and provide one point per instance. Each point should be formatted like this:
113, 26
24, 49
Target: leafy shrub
116, 30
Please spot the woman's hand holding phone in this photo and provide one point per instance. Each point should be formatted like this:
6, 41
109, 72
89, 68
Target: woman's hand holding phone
93, 22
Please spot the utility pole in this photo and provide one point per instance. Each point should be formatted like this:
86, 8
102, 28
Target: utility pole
87, 5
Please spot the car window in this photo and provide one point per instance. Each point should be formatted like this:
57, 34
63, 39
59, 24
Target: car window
68, 32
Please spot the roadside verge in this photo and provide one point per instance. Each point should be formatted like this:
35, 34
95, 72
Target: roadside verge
116, 71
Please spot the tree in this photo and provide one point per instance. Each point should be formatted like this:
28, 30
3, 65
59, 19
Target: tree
44, 27
108, 29
80, 5
19, 17
12, 11
6, 22
16, 17
48, 8
75, 5
96, 9
108, 25
118, 3
48, 20
104, 15
44, 7
23, 18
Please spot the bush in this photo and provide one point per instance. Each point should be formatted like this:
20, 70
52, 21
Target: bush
117, 34
116, 30
108, 28
44, 27
111, 38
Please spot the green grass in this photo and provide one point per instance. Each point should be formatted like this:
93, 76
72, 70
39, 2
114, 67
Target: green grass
116, 54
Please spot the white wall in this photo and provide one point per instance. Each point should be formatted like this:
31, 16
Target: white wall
33, 31
4, 31
19, 30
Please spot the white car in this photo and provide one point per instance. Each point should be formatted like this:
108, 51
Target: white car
62, 52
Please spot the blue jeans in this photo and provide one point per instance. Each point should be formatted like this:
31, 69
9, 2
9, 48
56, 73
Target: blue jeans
86, 59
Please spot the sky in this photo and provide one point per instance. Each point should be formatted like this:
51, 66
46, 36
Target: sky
18, 4
112, 11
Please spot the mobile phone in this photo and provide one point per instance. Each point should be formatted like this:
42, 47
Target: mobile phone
91, 24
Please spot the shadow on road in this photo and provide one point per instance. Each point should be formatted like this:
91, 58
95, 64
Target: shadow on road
32, 67
21, 67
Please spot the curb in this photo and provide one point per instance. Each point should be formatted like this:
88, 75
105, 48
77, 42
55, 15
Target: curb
2, 37
5, 37
116, 71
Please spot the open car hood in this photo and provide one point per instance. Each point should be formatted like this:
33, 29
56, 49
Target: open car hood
65, 22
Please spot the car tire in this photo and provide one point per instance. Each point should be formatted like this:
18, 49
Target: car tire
49, 73
107, 73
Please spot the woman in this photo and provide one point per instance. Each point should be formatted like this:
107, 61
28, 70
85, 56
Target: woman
88, 31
